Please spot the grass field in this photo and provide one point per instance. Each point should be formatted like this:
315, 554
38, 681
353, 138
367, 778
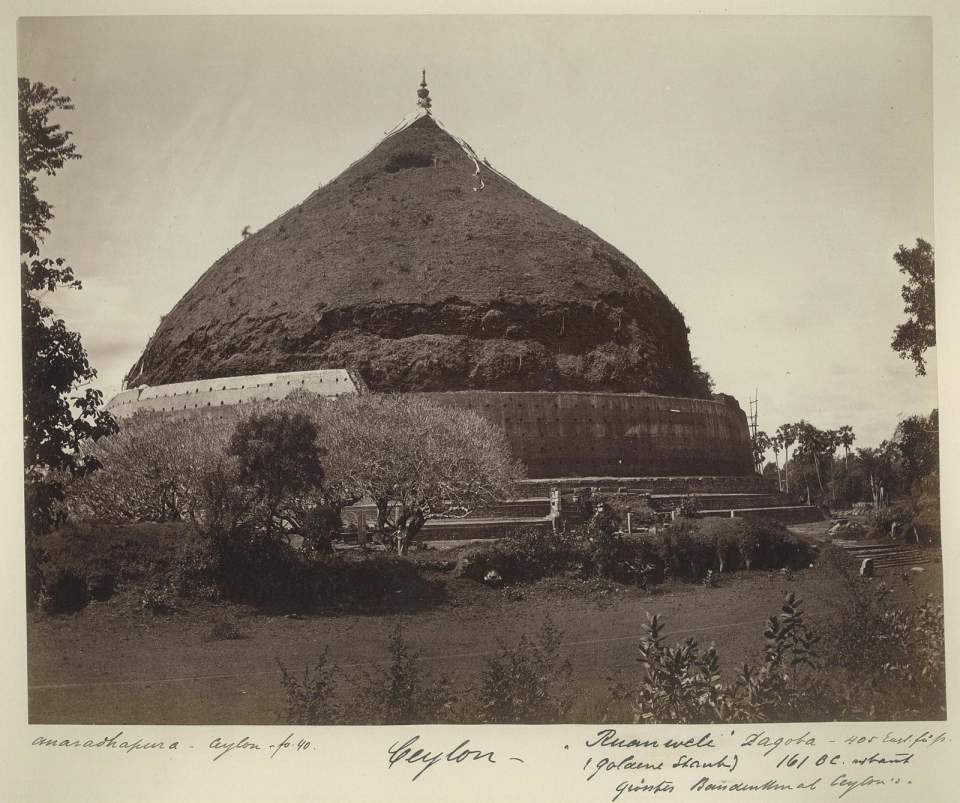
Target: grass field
113, 662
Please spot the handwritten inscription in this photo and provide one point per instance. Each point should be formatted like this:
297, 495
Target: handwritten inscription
115, 742
616, 764
708, 762
409, 753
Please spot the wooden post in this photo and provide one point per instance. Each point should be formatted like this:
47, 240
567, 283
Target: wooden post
555, 508
361, 528
629, 524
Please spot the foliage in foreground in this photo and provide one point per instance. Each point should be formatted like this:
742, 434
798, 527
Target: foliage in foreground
683, 683
525, 684
802, 676
58, 414
876, 661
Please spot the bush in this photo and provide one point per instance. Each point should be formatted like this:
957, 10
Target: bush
103, 558
264, 572
895, 655
159, 598
528, 684
883, 520
686, 549
225, 628
523, 556
609, 554
589, 550
65, 592
401, 694
684, 683
689, 507
925, 499
310, 700
774, 547
637, 505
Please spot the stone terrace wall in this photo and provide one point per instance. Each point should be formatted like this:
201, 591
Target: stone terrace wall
228, 391
578, 434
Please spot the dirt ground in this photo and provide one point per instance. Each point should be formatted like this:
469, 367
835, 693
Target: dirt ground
115, 663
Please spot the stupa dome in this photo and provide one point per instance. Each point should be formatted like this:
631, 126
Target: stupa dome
423, 268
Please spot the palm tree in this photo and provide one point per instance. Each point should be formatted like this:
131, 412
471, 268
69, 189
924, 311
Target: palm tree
846, 438
776, 443
787, 433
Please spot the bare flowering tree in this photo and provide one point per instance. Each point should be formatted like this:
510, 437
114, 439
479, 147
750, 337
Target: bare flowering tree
414, 458
152, 469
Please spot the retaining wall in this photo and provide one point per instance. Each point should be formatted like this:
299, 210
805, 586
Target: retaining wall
581, 434
202, 394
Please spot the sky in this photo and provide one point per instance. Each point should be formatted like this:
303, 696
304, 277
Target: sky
762, 170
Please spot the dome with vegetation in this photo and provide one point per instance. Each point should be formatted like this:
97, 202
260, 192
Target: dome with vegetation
425, 269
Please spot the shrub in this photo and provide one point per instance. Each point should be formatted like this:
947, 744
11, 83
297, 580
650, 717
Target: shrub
401, 694
528, 684
311, 699
159, 598
689, 507
895, 654
606, 553
774, 547
677, 684
65, 592
881, 522
786, 685
264, 572
925, 499
225, 628
684, 551
523, 556
684, 683
637, 505
196, 569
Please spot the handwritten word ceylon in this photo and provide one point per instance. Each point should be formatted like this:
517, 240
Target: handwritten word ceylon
407, 754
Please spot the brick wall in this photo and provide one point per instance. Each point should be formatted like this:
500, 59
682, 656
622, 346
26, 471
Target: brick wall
578, 434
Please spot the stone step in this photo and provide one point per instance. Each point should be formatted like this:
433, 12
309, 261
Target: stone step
533, 506
681, 485
885, 553
494, 527
787, 514
887, 556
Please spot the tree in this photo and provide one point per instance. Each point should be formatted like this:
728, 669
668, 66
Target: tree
761, 443
279, 459
776, 444
845, 438
816, 448
57, 417
786, 435
912, 338
917, 440
414, 458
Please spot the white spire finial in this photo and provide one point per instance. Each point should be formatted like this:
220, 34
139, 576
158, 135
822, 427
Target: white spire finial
423, 94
